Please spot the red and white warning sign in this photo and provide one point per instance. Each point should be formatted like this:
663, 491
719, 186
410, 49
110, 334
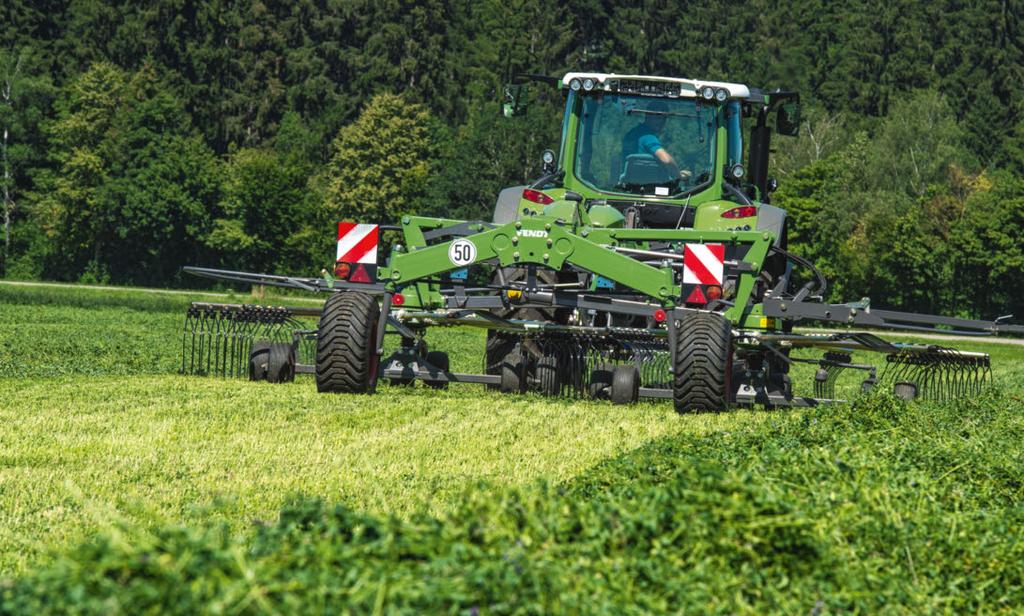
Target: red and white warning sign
703, 263
357, 243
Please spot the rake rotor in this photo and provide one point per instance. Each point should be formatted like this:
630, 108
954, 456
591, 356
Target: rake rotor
218, 338
579, 357
937, 373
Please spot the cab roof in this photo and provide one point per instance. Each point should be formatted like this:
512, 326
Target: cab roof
687, 87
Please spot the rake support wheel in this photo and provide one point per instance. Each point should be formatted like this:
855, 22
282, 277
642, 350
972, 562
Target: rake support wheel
549, 377
259, 354
346, 353
702, 365
281, 363
625, 384
512, 368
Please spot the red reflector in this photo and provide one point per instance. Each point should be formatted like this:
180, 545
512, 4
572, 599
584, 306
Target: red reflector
660, 316
536, 196
714, 292
360, 274
745, 211
697, 297
342, 270
397, 299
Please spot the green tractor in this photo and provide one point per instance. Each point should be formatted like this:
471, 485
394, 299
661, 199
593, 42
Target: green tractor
647, 261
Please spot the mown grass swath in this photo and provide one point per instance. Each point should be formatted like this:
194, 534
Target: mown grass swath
879, 506
167, 493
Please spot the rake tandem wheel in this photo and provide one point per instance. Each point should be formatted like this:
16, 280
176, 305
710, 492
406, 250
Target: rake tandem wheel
346, 349
616, 275
702, 363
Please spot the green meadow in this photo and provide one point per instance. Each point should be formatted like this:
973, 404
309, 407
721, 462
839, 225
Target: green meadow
128, 488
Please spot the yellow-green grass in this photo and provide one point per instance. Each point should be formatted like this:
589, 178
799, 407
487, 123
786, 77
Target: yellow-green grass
79, 451
96, 426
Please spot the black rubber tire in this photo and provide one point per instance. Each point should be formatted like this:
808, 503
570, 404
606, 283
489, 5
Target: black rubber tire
440, 360
281, 363
512, 381
549, 375
625, 384
500, 344
905, 390
346, 354
259, 354
702, 366
601, 378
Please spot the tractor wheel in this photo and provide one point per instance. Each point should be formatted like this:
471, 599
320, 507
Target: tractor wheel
702, 366
549, 377
625, 384
346, 341
512, 381
258, 356
281, 363
440, 360
601, 379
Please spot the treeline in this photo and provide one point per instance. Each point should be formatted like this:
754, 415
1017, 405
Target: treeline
139, 137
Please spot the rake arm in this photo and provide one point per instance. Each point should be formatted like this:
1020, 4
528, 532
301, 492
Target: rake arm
864, 316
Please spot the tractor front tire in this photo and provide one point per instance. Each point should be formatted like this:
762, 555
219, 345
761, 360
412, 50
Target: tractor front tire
702, 365
346, 344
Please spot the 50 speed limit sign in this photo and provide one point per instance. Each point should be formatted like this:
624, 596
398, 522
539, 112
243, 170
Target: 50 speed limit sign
462, 252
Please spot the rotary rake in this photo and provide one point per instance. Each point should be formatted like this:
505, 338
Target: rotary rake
626, 271
220, 339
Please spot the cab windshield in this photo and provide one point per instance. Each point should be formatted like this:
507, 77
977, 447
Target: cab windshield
645, 146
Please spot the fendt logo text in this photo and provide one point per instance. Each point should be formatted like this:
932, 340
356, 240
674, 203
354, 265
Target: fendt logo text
532, 233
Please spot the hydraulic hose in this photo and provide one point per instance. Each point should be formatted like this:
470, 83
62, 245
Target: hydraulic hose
736, 192
822, 283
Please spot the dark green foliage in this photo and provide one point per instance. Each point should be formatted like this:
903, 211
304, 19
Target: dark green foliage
133, 124
265, 208
879, 506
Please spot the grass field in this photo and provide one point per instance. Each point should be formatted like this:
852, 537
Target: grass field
102, 440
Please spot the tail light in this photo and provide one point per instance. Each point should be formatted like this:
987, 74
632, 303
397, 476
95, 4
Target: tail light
744, 211
714, 292
355, 272
342, 270
536, 196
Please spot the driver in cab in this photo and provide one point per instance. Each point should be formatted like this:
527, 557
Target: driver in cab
645, 138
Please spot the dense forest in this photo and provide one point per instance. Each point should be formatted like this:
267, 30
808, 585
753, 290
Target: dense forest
140, 137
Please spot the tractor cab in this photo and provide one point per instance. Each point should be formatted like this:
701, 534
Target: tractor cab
658, 152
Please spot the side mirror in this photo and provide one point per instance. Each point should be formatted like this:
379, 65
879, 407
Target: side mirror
516, 96
787, 119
